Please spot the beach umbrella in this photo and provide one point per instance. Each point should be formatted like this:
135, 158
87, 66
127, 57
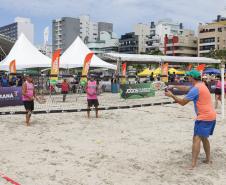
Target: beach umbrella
211, 71
177, 72
146, 72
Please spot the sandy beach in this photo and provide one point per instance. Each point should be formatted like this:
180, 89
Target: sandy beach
138, 146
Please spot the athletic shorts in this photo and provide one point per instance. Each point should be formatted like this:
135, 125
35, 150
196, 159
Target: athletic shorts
204, 128
92, 102
29, 105
64, 92
217, 91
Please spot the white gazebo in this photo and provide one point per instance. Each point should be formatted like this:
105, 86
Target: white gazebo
26, 56
74, 57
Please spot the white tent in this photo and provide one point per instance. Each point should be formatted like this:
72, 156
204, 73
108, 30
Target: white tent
74, 57
26, 56
138, 58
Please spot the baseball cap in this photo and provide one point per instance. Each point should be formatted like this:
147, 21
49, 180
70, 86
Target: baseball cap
194, 74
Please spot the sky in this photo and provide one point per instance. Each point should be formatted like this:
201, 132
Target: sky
124, 14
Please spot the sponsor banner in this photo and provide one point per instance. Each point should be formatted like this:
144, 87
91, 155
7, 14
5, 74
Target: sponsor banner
10, 96
55, 66
201, 67
12, 66
85, 69
164, 71
123, 80
134, 91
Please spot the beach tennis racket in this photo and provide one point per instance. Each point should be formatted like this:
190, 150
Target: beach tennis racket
158, 85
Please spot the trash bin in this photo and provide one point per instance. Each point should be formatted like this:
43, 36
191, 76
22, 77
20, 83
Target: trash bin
114, 87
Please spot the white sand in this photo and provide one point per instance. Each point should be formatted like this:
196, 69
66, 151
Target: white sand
143, 146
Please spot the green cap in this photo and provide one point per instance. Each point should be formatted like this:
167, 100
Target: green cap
194, 74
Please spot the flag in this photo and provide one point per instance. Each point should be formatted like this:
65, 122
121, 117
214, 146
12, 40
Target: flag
164, 71
189, 67
12, 67
201, 67
124, 73
55, 66
85, 69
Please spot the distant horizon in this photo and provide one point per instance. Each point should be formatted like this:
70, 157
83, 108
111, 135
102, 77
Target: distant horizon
123, 14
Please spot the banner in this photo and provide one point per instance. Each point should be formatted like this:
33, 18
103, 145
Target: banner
10, 96
123, 81
134, 91
85, 69
165, 72
12, 67
201, 67
189, 67
55, 66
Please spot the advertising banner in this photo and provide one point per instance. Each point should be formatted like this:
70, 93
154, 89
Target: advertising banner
164, 71
55, 66
12, 66
10, 96
85, 69
134, 91
123, 81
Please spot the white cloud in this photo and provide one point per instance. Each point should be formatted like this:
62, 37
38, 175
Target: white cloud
123, 13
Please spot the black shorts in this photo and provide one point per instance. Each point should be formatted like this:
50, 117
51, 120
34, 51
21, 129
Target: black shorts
93, 102
217, 91
64, 92
29, 105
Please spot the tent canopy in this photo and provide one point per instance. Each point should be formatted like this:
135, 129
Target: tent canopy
74, 57
26, 56
138, 58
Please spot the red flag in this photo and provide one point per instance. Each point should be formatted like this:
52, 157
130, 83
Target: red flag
189, 67
124, 69
86, 64
201, 67
12, 66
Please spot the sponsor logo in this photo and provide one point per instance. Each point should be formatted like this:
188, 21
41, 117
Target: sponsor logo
140, 90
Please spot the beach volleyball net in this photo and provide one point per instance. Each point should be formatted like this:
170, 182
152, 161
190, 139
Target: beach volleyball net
50, 99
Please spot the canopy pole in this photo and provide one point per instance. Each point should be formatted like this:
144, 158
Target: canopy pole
222, 89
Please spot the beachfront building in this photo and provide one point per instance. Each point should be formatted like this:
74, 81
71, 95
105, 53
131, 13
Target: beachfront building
107, 42
20, 25
64, 32
184, 44
128, 43
159, 30
66, 29
212, 36
135, 42
6, 44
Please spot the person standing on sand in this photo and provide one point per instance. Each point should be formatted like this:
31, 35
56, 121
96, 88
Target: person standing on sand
28, 96
206, 114
91, 91
64, 89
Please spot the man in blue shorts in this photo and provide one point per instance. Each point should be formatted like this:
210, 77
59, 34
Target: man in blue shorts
206, 115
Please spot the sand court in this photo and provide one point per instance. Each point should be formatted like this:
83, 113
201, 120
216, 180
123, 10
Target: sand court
148, 145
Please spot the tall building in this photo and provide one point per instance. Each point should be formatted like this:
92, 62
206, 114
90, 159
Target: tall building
129, 43
64, 32
104, 26
212, 36
181, 45
108, 42
66, 29
21, 25
88, 29
159, 30
142, 31
135, 42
